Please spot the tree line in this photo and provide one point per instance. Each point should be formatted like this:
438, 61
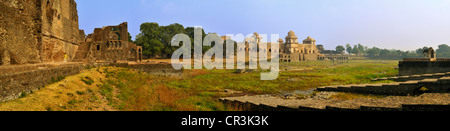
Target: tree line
155, 39
442, 52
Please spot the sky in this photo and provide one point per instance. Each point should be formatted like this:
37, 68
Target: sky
390, 24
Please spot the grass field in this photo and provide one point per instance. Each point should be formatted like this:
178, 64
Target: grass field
298, 76
110, 88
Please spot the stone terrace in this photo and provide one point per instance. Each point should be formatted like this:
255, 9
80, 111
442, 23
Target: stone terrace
414, 77
437, 85
425, 102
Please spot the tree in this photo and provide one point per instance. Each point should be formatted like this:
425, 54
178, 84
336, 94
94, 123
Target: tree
349, 48
320, 48
340, 49
355, 50
373, 51
129, 37
443, 51
156, 40
149, 39
420, 50
361, 49
190, 32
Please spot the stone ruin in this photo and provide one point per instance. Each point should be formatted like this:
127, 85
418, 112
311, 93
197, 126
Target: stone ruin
108, 44
40, 41
427, 65
38, 31
430, 54
47, 31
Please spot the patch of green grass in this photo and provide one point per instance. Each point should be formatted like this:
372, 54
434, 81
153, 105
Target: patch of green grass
88, 80
299, 76
22, 95
58, 79
81, 92
106, 89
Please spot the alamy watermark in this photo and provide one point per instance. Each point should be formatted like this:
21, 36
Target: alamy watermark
234, 58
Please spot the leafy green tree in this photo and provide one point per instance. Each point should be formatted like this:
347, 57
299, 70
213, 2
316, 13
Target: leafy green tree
374, 51
443, 51
149, 39
320, 48
349, 48
156, 40
420, 50
167, 33
129, 37
355, 50
340, 49
361, 49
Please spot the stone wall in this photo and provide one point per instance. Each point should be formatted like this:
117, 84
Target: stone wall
155, 69
37, 31
108, 44
19, 29
423, 67
248, 106
18, 79
25, 79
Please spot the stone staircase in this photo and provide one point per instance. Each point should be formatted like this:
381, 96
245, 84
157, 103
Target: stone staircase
414, 77
82, 52
412, 87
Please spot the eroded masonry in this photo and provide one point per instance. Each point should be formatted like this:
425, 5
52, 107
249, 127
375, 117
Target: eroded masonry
38, 31
108, 44
40, 41
290, 50
43, 31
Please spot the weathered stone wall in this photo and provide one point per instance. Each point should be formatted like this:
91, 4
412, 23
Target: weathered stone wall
248, 106
15, 80
19, 29
423, 67
24, 79
155, 69
60, 30
109, 44
36, 31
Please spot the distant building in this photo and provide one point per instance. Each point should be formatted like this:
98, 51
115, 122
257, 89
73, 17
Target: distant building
293, 51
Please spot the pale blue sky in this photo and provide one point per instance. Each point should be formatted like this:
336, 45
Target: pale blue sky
399, 24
